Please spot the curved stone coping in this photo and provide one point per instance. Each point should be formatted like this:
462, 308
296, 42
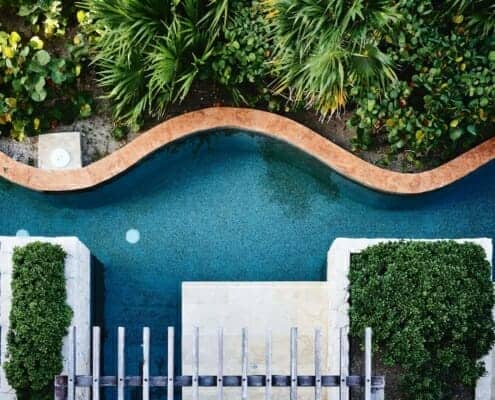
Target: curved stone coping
266, 123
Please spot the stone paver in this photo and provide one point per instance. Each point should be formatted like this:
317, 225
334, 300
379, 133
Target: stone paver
257, 306
67, 142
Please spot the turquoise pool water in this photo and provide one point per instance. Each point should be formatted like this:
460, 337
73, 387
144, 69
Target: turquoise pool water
227, 206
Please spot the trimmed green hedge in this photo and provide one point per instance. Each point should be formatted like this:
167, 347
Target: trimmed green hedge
430, 306
39, 319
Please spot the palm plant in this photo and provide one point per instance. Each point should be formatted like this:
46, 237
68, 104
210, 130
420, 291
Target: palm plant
480, 14
325, 47
149, 52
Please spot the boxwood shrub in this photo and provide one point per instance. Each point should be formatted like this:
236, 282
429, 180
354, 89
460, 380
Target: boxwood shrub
39, 319
430, 306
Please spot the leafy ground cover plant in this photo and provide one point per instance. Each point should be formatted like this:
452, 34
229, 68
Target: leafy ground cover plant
39, 319
444, 99
242, 55
44, 15
40, 71
430, 307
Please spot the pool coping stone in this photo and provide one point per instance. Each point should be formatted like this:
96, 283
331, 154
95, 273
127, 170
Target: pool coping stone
262, 122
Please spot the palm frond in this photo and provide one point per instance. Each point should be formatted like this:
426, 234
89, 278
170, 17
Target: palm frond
480, 14
216, 17
324, 47
151, 51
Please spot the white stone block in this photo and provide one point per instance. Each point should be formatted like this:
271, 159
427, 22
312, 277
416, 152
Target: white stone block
258, 306
60, 150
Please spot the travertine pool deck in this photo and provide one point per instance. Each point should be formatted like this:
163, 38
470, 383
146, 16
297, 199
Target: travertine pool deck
257, 306
263, 122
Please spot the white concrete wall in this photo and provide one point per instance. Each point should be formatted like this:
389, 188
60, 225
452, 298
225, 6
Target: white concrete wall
338, 264
78, 278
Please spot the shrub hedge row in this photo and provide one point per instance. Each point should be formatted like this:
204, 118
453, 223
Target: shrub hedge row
430, 306
39, 319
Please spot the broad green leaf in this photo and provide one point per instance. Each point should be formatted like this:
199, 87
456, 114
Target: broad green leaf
472, 129
39, 96
40, 84
42, 57
455, 134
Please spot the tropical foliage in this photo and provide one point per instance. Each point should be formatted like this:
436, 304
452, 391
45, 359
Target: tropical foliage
243, 52
39, 320
151, 51
39, 77
444, 99
323, 48
420, 75
430, 307
479, 14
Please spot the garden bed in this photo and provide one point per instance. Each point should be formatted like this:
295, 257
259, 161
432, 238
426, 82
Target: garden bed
97, 141
61, 297
381, 96
426, 300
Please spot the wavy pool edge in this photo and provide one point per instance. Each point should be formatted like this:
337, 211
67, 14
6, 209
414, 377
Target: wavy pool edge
263, 122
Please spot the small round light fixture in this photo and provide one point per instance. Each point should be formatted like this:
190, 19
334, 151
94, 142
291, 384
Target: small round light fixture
60, 158
22, 233
132, 236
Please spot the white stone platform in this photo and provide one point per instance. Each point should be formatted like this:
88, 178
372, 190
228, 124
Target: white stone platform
78, 283
280, 306
59, 150
257, 306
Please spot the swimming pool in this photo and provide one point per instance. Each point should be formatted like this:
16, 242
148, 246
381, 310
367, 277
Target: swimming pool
227, 206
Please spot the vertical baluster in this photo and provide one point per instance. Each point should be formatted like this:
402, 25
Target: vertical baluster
96, 363
146, 363
317, 364
244, 391
120, 362
293, 364
344, 364
71, 367
195, 366
268, 362
220, 365
367, 364
170, 362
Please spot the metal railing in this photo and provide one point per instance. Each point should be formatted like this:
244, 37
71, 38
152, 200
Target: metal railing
372, 386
